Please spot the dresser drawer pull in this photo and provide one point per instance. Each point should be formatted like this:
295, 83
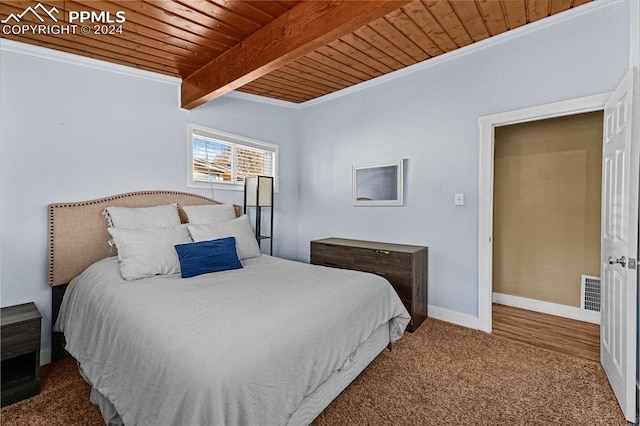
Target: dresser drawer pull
383, 252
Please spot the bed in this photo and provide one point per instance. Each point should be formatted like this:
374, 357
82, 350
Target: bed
270, 341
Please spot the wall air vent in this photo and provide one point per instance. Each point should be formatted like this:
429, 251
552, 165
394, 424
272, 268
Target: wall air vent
590, 293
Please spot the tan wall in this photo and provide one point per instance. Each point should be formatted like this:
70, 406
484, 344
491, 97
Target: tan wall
546, 225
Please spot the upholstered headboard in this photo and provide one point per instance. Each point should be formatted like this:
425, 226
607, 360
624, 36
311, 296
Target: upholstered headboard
78, 233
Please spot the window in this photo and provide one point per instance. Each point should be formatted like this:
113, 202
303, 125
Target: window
222, 160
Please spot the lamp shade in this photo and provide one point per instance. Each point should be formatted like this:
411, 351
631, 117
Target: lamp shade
258, 191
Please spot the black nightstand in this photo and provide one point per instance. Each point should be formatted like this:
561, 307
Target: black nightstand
20, 347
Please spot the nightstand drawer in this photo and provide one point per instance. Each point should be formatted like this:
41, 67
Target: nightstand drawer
18, 339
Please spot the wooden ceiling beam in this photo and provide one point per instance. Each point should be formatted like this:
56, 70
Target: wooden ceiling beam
301, 30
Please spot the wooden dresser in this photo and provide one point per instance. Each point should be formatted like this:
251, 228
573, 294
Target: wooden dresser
404, 266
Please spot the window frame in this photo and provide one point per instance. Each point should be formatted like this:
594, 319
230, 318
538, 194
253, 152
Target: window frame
194, 129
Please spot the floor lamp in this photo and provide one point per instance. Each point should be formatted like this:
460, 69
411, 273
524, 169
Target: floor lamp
258, 194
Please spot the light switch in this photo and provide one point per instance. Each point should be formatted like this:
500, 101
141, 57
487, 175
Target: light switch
458, 199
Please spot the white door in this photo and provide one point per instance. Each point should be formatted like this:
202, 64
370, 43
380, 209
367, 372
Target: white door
620, 180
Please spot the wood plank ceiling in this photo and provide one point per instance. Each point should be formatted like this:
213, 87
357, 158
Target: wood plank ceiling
178, 38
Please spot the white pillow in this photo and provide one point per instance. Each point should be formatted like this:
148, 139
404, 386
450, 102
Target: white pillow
148, 252
161, 216
240, 228
214, 213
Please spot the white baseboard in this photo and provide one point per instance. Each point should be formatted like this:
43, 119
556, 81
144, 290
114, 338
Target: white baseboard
547, 308
454, 317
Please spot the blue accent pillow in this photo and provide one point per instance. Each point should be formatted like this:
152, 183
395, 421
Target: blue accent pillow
208, 256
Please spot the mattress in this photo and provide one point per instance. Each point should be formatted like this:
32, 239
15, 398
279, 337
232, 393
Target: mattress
271, 343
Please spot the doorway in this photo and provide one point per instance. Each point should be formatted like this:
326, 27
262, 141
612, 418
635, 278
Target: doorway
546, 211
546, 215
488, 125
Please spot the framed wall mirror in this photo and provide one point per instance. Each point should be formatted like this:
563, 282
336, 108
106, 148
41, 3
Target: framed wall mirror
378, 184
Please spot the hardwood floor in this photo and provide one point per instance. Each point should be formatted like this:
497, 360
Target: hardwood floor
577, 338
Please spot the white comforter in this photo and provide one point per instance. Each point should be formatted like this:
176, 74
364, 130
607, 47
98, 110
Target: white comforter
241, 347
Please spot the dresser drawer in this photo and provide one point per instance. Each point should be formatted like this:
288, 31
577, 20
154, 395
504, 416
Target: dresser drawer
379, 260
402, 285
18, 339
331, 255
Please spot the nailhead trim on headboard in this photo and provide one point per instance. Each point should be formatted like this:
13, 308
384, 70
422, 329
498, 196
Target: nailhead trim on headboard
166, 198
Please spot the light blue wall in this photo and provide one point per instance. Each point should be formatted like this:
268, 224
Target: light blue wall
72, 133
430, 117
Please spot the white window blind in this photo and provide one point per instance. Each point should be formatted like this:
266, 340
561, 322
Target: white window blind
222, 158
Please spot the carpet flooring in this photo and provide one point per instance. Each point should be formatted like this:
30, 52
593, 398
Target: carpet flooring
442, 374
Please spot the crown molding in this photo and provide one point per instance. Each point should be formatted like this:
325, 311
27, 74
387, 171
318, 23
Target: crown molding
261, 99
70, 58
